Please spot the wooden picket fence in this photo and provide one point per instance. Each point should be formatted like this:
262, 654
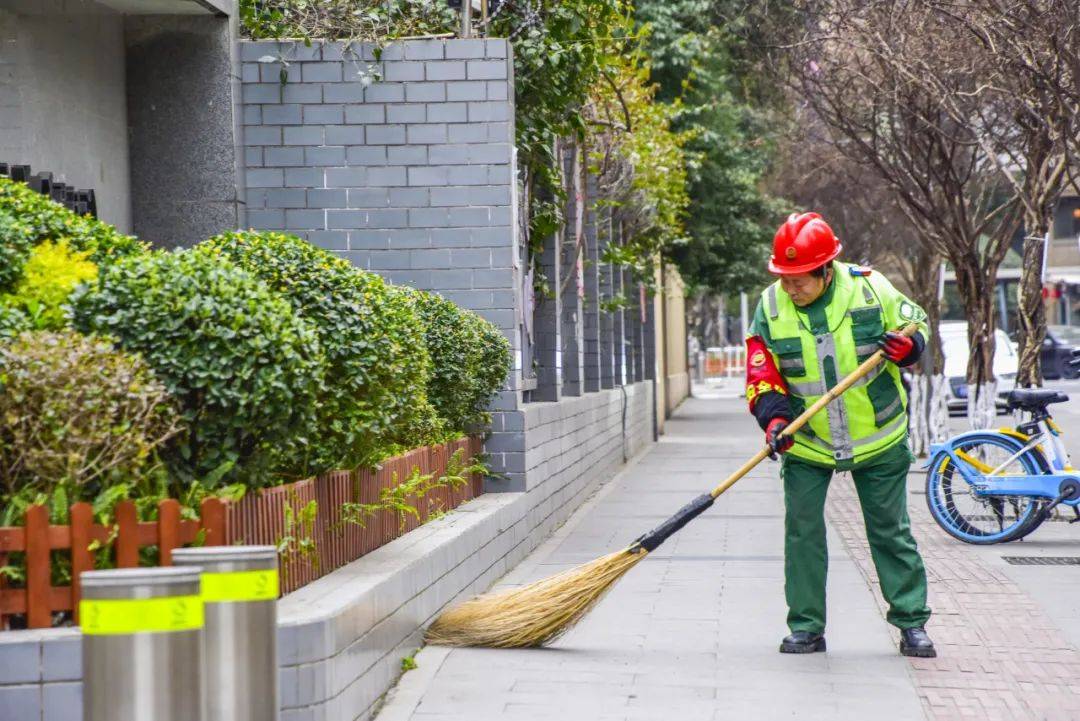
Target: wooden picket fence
37, 539
258, 518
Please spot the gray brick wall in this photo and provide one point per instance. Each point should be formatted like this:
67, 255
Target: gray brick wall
409, 175
40, 675
413, 176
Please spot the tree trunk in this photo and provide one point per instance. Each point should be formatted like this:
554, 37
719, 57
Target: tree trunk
929, 405
918, 430
934, 361
937, 411
976, 288
1031, 313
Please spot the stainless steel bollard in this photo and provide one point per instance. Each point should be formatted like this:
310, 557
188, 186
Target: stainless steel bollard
142, 645
240, 590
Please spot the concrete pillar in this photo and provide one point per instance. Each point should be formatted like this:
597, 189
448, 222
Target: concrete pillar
182, 88
571, 286
547, 348
591, 326
650, 336
606, 292
633, 333
631, 327
618, 321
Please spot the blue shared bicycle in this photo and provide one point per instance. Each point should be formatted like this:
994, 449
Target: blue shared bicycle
996, 486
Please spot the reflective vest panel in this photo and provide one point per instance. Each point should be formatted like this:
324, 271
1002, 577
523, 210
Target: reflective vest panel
869, 417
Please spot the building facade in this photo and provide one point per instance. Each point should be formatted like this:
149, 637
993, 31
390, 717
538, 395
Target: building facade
405, 166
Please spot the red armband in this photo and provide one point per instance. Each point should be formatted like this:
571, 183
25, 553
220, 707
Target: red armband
762, 375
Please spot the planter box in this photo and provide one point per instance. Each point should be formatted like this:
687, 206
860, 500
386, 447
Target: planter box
37, 539
259, 518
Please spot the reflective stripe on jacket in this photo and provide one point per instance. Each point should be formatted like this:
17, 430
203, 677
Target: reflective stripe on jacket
869, 417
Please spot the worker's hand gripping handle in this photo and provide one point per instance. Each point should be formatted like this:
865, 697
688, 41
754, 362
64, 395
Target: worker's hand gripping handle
835, 392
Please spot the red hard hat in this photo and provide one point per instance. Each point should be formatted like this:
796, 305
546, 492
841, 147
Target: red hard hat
802, 243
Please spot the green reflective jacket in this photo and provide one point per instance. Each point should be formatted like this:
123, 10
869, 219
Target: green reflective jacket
816, 346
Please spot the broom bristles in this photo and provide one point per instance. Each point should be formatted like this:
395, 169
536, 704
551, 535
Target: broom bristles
535, 614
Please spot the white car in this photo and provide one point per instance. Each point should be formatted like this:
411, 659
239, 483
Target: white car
954, 344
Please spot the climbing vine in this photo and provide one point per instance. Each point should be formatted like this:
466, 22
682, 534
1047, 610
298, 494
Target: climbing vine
417, 488
350, 20
640, 162
581, 81
561, 50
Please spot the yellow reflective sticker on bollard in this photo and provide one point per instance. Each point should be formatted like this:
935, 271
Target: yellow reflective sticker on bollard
121, 616
240, 586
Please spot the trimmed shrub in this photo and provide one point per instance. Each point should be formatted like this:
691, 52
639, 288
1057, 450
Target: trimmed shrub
76, 415
42, 219
495, 364
16, 242
377, 367
243, 367
50, 274
470, 359
12, 322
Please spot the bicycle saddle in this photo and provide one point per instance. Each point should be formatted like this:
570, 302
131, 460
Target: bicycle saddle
1030, 399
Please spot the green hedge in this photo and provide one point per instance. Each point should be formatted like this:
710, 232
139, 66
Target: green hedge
16, 242
244, 368
494, 365
79, 421
470, 359
50, 274
283, 359
12, 321
38, 218
373, 394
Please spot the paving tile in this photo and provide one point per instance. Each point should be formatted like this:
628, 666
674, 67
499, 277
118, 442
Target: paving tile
691, 632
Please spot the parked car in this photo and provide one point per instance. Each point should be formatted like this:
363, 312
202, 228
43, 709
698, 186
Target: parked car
954, 344
1057, 350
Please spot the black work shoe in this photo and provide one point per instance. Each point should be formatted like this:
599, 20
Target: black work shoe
915, 642
803, 642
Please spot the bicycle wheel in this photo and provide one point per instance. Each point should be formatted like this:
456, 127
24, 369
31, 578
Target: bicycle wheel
978, 519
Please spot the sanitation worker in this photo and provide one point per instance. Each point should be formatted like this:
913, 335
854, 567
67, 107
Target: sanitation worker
812, 327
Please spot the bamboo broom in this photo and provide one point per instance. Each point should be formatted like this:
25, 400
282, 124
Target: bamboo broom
540, 612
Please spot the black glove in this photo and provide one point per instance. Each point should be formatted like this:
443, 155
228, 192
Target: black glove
778, 444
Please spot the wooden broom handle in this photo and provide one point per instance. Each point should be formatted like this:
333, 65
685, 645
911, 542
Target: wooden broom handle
835, 392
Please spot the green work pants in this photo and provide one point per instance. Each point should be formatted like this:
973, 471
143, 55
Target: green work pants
881, 483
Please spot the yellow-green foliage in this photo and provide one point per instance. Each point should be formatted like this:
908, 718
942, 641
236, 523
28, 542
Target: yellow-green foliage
651, 150
51, 272
40, 219
641, 161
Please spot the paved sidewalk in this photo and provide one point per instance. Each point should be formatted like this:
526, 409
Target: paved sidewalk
1001, 656
692, 631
